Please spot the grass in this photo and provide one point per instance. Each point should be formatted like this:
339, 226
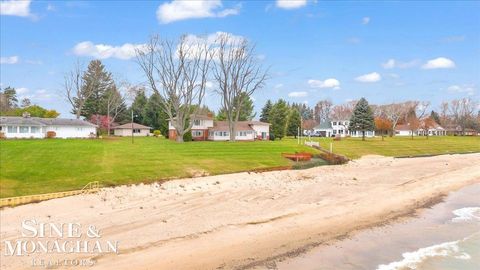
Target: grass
43, 166
401, 146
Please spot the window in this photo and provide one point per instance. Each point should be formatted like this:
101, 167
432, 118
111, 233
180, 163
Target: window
196, 122
34, 129
242, 133
197, 133
334, 131
136, 130
334, 123
225, 134
12, 129
23, 129
79, 128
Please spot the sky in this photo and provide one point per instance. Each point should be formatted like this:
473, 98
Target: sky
341, 51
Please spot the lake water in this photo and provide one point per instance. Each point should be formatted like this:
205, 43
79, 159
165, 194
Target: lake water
446, 236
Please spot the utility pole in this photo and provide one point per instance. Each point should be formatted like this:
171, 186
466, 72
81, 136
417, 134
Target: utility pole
132, 126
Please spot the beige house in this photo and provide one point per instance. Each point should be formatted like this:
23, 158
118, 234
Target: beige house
126, 130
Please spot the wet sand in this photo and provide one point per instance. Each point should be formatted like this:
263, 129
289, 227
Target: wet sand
441, 237
245, 220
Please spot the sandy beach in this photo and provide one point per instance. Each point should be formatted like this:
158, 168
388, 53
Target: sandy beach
245, 220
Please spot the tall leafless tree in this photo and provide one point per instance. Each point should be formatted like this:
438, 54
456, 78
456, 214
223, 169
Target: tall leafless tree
463, 112
322, 110
75, 90
178, 71
115, 105
237, 72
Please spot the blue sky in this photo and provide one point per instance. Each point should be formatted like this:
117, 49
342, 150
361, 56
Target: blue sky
384, 51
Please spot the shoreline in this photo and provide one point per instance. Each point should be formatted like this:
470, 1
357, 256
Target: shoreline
244, 220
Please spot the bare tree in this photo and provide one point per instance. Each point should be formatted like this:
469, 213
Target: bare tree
115, 102
75, 90
444, 109
237, 73
395, 112
322, 109
463, 111
178, 71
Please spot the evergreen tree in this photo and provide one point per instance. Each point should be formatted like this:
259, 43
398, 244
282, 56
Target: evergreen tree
362, 118
97, 78
246, 111
154, 114
294, 122
265, 115
434, 115
9, 99
278, 119
138, 106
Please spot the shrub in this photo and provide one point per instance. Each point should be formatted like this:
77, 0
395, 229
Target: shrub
157, 133
2, 136
187, 137
272, 137
51, 134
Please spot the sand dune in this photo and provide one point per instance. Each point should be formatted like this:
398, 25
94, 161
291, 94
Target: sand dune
244, 220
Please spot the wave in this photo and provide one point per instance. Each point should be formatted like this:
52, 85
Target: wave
412, 259
466, 214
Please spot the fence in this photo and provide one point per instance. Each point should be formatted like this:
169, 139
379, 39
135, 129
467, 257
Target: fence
91, 187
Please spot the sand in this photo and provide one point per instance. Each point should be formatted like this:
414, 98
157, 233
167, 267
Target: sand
245, 220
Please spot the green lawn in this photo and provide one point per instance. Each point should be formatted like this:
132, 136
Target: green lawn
42, 166
402, 146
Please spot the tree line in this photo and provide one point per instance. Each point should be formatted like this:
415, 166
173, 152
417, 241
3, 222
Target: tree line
10, 106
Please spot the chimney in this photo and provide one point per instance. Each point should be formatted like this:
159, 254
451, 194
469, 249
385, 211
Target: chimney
26, 115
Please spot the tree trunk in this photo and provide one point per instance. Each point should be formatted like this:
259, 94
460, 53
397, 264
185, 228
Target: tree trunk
363, 135
179, 138
383, 135
108, 120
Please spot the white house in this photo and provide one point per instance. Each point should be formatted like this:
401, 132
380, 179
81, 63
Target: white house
127, 129
35, 127
405, 130
332, 128
246, 131
200, 126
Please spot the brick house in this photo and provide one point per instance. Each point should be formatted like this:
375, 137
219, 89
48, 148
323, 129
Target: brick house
205, 128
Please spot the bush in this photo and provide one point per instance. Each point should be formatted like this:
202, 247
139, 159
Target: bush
51, 134
187, 137
272, 137
2, 136
157, 133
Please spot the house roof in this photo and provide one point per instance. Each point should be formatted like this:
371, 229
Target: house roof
37, 121
223, 126
324, 125
199, 117
129, 126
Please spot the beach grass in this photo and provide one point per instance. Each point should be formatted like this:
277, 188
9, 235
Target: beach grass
401, 146
43, 166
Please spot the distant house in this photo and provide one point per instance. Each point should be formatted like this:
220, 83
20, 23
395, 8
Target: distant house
205, 128
200, 126
332, 128
405, 130
456, 130
36, 127
126, 130
246, 131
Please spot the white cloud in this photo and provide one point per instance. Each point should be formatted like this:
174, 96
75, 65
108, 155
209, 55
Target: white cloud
51, 7
298, 94
102, 51
291, 4
440, 62
182, 10
22, 90
328, 83
195, 43
279, 85
9, 60
370, 77
469, 89
365, 20
15, 8
392, 63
